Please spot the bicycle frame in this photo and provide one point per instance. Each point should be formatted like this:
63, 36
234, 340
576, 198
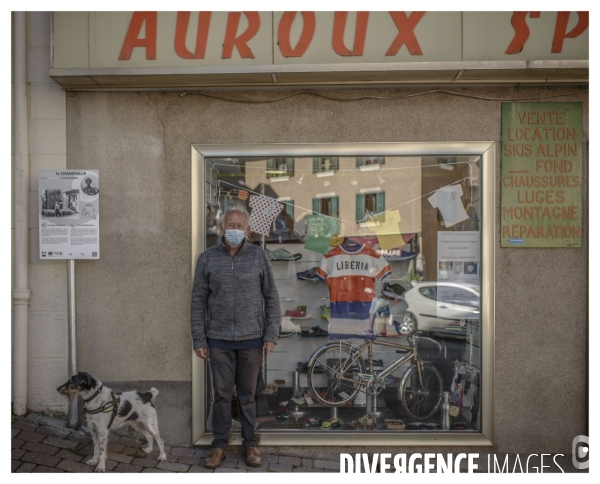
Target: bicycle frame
368, 344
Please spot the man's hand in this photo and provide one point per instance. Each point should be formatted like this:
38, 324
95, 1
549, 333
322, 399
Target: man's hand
202, 353
268, 346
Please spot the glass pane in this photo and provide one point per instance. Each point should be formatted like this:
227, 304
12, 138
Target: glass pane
386, 258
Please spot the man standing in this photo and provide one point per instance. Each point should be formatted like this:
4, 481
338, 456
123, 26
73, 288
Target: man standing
234, 292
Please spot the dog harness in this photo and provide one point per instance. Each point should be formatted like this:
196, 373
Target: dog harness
107, 406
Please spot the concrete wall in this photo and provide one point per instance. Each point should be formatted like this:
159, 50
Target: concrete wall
47, 345
134, 302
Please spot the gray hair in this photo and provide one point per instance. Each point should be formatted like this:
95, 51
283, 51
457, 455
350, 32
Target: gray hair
234, 208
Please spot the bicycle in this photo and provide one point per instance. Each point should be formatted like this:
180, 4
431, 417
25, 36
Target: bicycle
421, 386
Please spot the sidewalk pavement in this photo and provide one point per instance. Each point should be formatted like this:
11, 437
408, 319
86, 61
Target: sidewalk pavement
44, 444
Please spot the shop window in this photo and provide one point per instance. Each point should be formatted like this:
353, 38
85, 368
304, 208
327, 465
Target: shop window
369, 204
329, 206
369, 160
278, 167
408, 281
322, 165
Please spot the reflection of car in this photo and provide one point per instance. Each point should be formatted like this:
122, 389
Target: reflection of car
435, 304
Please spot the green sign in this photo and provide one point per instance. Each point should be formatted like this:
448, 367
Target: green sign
541, 174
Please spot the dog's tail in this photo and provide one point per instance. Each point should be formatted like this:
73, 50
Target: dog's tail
155, 393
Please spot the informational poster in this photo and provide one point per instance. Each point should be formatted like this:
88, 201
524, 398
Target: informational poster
541, 174
458, 275
69, 214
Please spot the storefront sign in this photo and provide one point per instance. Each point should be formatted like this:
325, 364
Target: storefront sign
168, 39
69, 214
541, 174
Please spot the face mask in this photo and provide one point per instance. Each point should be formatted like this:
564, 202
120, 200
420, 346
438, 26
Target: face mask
234, 237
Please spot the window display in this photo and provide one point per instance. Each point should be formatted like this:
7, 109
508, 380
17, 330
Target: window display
377, 262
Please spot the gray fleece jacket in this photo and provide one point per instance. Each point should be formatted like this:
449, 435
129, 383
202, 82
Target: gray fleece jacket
234, 298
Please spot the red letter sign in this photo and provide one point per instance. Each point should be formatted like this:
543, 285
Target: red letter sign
339, 26
240, 42
183, 20
519, 23
283, 33
132, 40
406, 26
560, 32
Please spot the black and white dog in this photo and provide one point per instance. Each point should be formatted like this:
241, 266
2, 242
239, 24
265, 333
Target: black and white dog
105, 410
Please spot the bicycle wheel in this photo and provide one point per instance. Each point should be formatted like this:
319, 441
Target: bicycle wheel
329, 381
421, 403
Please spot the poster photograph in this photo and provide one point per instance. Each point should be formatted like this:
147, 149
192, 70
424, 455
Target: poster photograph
69, 214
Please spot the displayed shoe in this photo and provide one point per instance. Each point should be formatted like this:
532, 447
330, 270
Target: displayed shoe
314, 332
367, 422
394, 291
309, 275
360, 400
253, 458
294, 313
394, 424
378, 364
270, 390
282, 411
282, 255
389, 380
325, 312
286, 334
303, 368
308, 398
312, 422
332, 423
299, 400
396, 254
215, 458
325, 397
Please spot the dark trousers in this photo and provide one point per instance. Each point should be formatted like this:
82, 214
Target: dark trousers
239, 367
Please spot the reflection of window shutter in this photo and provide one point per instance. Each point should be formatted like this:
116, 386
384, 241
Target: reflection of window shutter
316, 167
289, 208
315, 205
359, 161
360, 207
335, 164
381, 160
271, 168
335, 206
290, 166
380, 202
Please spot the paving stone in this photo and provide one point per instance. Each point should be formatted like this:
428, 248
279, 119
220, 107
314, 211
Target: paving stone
188, 452
199, 469
327, 464
154, 455
115, 447
43, 459
14, 465
193, 461
31, 436
61, 433
144, 462
80, 437
41, 448
262, 468
50, 421
154, 469
63, 444
24, 425
269, 458
290, 461
31, 416
110, 464
237, 455
230, 463
16, 453
72, 466
201, 452
46, 469
125, 459
127, 468
14, 432
26, 467
131, 451
113, 437
129, 442
173, 466
16, 443
279, 468
67, 454
14, 417
225, 469
307, 462
307, 469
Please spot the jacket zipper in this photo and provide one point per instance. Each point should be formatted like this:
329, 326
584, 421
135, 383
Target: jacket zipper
233, 287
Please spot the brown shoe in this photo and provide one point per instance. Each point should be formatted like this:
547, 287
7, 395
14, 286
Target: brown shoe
215, 458
253, 457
